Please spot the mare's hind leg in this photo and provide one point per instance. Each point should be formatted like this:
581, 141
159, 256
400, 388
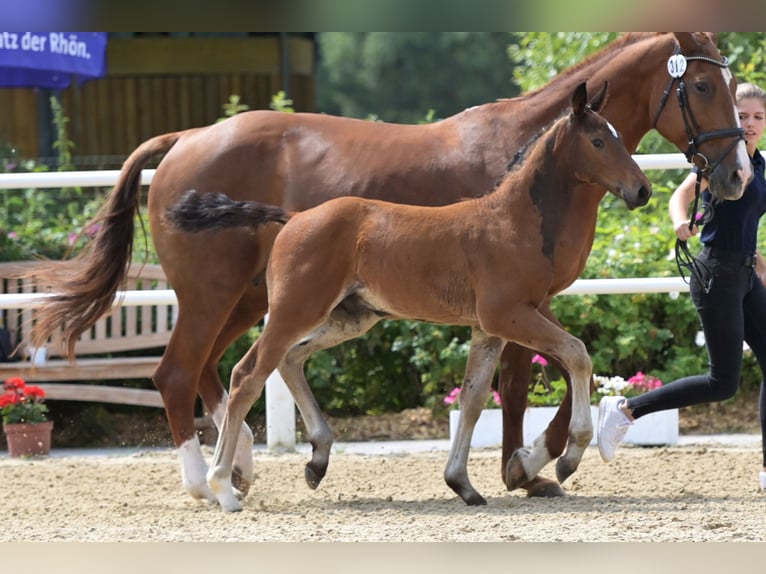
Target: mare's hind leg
176, 378
344, 323
188, 367
515, 370
482, 361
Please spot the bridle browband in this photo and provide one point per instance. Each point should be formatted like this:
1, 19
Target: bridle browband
684, 259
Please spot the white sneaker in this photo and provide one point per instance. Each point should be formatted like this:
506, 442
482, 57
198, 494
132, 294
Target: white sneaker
612, 426
762, 478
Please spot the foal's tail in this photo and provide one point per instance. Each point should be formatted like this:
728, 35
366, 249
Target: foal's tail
210, 211
84, 287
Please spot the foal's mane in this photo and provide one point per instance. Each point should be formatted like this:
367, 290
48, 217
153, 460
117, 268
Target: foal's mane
520, 157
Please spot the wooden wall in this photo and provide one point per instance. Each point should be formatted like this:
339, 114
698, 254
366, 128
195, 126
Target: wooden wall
161, 84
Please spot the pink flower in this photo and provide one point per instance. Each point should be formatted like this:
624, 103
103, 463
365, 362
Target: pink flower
496, 398
452, 397
541, 360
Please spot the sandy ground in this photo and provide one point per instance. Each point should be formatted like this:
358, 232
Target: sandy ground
646, 494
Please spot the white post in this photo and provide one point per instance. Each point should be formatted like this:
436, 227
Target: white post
280, 414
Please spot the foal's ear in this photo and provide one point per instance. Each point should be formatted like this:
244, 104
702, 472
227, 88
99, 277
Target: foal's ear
579, 100
598, 101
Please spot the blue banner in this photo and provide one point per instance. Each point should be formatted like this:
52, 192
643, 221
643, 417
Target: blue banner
50, 59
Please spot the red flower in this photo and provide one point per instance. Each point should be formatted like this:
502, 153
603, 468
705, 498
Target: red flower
14, 383
34, 392
8, 399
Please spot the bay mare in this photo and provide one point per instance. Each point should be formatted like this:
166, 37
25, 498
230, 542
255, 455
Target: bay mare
489, 263
297, 161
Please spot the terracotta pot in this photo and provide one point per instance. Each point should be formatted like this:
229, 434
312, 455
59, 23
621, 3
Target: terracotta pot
28, 439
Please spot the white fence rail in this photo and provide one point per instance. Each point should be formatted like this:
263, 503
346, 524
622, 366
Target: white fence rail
280, 409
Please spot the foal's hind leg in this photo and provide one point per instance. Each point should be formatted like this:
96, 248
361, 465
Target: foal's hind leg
340, 326
482, 360
247, 381
249, 310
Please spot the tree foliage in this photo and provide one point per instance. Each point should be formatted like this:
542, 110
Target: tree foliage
400, 76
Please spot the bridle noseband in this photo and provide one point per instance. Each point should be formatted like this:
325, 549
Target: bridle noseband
677, 68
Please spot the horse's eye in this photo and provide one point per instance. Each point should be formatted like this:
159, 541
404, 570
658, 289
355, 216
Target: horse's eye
701, 87
597, 142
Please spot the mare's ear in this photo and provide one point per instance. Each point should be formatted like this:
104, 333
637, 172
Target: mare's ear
690, 41
579, 100
597, 102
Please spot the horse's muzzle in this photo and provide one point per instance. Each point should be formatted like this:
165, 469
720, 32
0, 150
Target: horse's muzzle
638, 197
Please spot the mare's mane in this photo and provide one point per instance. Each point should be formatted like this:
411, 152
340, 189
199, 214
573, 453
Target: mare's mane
605, 53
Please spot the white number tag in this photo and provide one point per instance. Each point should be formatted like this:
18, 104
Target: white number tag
677, 65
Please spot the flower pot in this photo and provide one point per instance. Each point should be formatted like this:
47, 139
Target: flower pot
488, 430
28, 439
651, 430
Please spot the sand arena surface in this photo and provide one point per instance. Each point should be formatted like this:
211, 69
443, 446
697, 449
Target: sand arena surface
646, 494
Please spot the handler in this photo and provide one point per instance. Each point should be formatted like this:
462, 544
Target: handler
727, 289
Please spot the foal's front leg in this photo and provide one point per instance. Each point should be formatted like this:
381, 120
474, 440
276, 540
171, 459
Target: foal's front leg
532, 329
482, 360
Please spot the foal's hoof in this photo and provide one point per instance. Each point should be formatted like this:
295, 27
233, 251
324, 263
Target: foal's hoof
313, 476
515, 475
564, 469
543, 488
239, 482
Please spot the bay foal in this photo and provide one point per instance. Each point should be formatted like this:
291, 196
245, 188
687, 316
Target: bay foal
489, 263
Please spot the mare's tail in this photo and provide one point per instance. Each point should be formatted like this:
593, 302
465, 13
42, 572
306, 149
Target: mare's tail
84, 287
210, 211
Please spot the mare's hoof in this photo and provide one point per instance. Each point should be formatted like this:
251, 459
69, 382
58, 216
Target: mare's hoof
238, 481
564, 469
313, 477
543, 488
515, 475
474, 499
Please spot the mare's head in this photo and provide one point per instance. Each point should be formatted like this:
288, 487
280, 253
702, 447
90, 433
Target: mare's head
591, 147
694, 99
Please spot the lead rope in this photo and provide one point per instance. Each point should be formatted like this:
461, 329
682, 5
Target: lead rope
684, 259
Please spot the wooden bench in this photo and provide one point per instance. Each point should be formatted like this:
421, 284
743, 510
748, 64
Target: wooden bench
101, 350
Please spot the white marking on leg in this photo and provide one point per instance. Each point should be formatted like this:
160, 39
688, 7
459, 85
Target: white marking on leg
194, 470
243, 455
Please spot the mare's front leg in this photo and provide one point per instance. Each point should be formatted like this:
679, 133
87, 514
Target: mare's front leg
515, 370
482, 360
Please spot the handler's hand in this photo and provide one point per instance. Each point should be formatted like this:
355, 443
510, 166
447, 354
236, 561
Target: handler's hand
683, 232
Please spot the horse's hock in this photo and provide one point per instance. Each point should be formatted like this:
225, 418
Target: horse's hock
107, 351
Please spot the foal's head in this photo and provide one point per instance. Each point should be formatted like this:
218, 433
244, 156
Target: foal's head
590, 146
